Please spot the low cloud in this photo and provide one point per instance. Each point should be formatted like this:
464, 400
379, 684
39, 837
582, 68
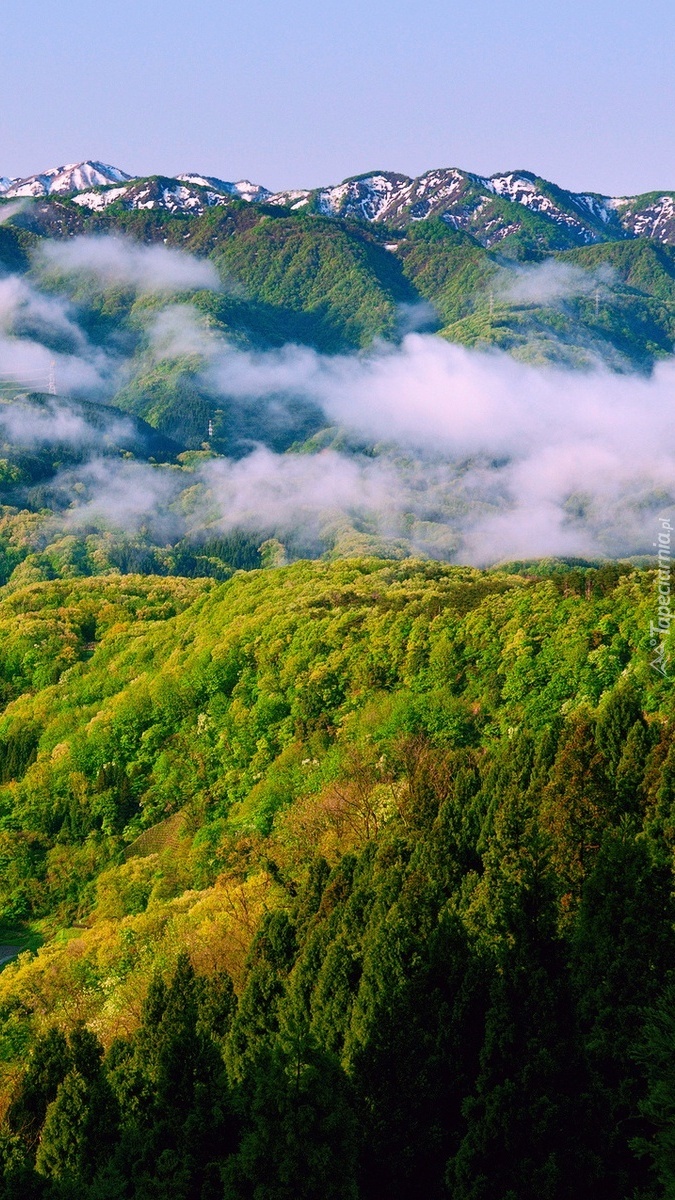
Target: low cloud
29, 426
114, 260
550, 282
26, 310
119, 494
414, 318
11, 209
430, 394
284, 493
41, 336
472, 454
576, 461
27, 365
177, 331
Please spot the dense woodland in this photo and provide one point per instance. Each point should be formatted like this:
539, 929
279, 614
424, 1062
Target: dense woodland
352, 880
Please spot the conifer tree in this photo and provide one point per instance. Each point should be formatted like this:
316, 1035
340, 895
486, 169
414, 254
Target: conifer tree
623, 947
521, 1140
182, 1125
48, 1066
618, 714
299, 1138
81, 1123
656, 1139
256, 1021
521, 1117
577, 803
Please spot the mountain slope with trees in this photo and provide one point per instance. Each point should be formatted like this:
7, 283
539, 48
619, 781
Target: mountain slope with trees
353, 879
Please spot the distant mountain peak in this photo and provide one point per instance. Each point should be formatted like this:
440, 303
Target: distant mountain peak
244, 189
73, 177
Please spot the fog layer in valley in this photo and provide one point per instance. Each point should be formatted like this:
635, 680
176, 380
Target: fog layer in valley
426, 446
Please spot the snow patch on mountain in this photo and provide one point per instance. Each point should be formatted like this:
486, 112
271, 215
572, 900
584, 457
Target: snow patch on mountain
296, 198
369, 197
523, 189
97, 201
176, 198
244, 189
75, 177
170, 195
599, 207
646, 217
461, 198
465, 201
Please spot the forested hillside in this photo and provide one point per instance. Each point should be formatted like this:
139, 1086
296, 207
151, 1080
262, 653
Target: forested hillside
352, 880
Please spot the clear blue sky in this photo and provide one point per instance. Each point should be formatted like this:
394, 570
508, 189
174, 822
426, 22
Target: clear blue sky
299, 93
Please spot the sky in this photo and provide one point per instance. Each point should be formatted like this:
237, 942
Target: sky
292, 93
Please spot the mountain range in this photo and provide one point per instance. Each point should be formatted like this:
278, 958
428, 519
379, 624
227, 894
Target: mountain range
492, 209
508, 263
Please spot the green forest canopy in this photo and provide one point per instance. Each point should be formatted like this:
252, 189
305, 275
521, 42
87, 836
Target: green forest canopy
353, 879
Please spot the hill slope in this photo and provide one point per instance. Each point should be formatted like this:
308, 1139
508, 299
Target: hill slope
418, 814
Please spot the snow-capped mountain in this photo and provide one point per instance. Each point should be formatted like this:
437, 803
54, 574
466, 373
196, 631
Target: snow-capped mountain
186, 193
651, 216
170, 195
244, 189
490, 208
466, 201
63, 180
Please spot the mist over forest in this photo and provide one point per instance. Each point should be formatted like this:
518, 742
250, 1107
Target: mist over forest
299, 386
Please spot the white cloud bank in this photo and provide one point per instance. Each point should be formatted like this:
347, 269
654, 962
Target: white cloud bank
512, 460
116, 260
576, 460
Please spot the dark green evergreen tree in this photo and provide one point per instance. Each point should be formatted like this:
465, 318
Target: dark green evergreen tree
413, 1046
79, 1131
49, 1063
523, 1116
655, 1141
622, 946
256, 1021
180, 1126
299, 1138
618, 714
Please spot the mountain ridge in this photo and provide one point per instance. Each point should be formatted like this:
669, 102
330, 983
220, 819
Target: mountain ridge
490, 208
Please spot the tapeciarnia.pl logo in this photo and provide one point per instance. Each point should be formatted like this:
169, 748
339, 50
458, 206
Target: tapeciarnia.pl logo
658, 630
